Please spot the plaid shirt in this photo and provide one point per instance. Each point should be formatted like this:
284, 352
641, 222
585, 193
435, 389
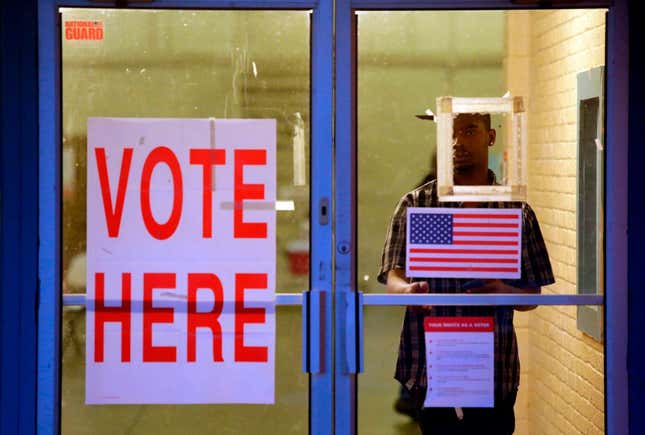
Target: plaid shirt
536, 272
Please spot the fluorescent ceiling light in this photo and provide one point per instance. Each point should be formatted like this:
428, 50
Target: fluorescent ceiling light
285, 205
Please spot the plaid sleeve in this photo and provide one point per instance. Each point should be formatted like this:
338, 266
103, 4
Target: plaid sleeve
536, 266
394, 249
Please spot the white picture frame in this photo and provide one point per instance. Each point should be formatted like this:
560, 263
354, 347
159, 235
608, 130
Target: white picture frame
512, 184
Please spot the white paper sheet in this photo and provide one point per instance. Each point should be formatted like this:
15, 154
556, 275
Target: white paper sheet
459, 361
161, 365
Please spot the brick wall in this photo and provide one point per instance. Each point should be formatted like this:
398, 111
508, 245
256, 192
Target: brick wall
562, 389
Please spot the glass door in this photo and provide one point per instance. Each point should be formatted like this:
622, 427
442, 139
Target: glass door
552, 367
190, 63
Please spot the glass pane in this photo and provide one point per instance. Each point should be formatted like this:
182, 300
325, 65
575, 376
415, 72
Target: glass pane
406, 60
378, 393
189, 64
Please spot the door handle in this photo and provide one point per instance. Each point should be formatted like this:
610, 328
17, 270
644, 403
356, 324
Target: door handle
313, 331
354, 328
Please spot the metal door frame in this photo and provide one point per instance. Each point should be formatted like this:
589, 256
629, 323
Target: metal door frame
317, 359
349, 303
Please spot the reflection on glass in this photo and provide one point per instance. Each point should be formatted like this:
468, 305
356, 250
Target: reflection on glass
405, 61
188, 64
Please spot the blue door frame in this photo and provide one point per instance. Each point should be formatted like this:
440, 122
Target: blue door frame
30, 202
49, 313
616, 295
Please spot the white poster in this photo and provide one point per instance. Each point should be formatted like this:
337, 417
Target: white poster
180, 261
460, 362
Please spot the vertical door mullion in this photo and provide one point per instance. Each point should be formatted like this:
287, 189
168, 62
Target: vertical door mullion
49, 229
344, 216
616, 278
321, 384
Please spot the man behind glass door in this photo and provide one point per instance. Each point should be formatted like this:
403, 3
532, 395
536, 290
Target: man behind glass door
472, 136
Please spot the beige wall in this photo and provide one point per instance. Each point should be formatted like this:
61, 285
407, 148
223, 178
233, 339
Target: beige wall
562, 381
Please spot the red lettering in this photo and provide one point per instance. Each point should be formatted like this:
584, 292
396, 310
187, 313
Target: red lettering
153, 315
164, 230
208, 319
84, 30
207, 158
113, 212
243, 315
103, 315
247, 230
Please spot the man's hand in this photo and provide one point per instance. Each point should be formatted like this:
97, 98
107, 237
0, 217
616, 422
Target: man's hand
417, 287
397, 282
498, 286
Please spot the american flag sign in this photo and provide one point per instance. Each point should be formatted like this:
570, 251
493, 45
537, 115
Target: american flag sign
464, 243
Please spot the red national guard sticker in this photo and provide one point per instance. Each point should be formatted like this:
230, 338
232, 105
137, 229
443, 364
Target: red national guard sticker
84, 30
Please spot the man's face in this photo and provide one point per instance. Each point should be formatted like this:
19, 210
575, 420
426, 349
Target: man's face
471, 139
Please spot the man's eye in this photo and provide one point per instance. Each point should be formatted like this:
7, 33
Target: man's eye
469, 132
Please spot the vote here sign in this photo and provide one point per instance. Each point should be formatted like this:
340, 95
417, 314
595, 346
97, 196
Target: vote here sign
180, 261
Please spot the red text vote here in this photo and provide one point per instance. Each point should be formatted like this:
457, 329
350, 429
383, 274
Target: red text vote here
181, 260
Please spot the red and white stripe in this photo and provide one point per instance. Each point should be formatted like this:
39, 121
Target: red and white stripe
487, 243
